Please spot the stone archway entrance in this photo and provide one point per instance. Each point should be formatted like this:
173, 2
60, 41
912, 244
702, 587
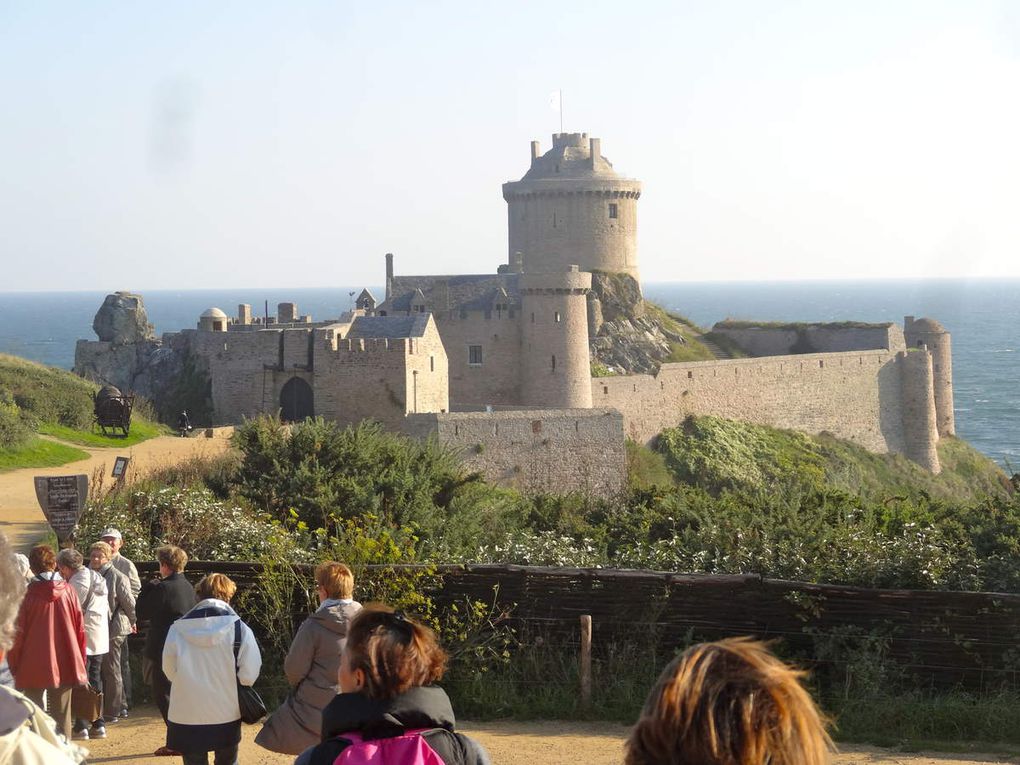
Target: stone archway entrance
296, 400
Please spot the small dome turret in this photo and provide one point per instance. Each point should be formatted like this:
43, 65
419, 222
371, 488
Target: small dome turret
213, 320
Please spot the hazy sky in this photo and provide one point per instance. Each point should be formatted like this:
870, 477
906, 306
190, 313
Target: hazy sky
250, 144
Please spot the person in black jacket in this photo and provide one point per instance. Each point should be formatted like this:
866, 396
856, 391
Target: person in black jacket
386, 678
162, 602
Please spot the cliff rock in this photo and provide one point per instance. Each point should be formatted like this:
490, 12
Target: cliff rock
122, 319
624, 336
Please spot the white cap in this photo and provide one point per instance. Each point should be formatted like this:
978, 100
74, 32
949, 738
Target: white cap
111, 532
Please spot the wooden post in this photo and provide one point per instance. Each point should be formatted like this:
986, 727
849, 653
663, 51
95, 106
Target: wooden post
585, 668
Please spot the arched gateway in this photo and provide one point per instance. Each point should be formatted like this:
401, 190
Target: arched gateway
296, 400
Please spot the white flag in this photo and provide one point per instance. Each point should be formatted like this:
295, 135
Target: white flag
555, 99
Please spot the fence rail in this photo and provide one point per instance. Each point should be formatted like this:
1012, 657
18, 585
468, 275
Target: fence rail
944, 638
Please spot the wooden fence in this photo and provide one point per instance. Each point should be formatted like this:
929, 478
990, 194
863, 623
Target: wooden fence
943, 639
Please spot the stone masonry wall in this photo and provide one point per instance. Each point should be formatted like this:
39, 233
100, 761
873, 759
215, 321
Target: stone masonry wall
775, 341
497, 380
857, 396
536, 450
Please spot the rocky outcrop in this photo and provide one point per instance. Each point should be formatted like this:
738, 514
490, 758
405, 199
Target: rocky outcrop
122, 319
129, 356
625, 337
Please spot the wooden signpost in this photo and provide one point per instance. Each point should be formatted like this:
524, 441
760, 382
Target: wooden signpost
62, 499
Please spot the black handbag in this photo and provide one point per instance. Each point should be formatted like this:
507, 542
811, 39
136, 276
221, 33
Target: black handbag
253, 708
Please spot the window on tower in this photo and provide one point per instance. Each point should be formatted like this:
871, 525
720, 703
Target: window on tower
613, 210
474, 355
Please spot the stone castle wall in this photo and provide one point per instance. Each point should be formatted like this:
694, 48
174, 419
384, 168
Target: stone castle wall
538, 450
780, 341
497, 380
863, 396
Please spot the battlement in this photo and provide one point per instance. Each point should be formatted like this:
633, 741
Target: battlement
563, 140
373, 345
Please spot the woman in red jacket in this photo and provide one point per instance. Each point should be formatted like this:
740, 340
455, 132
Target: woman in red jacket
49, 649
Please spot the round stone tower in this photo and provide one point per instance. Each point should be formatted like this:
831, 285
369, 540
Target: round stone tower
555, 368
571, 207
932, 335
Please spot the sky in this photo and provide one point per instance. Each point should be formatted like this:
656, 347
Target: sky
254, 144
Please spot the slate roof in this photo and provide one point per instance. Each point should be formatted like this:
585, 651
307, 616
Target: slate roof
388, 326
465, 292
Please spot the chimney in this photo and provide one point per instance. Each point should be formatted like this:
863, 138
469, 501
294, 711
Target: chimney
389, 275
534, 152
595, 144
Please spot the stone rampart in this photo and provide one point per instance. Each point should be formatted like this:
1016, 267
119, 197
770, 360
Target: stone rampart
536, 450
857, 396
766, 340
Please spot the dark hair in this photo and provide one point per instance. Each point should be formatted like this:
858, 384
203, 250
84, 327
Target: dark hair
729, 703
395, 652
42, 558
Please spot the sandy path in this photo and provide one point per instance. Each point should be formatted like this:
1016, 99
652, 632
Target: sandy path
22, 520
509, 743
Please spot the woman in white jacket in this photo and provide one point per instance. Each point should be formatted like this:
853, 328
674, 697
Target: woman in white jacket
198, 659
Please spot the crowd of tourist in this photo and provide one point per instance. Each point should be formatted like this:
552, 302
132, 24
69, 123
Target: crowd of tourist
363, 681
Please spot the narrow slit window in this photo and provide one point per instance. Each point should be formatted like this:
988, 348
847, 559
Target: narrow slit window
556, 317
432, 363
554, 363
613, 210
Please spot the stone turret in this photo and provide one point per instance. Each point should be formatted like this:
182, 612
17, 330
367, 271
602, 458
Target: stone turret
571, 207
212, 320
930, 334
919, 419
555, 366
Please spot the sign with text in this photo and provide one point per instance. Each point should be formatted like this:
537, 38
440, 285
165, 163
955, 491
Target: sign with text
120, 466
62, 499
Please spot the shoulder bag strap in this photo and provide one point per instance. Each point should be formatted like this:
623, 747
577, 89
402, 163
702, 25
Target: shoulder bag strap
237, 646
88, 598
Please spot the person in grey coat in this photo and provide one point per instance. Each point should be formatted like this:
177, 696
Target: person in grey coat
122, 623
115, 539
312, 664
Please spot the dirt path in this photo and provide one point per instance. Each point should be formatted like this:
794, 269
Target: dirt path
22, 520
508, 743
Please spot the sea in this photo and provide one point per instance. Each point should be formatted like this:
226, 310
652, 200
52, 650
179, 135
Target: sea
983, 316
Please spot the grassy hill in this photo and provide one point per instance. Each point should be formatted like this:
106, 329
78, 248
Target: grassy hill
717, 454
38, 400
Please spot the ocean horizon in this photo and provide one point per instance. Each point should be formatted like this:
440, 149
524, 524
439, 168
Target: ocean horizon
982, 315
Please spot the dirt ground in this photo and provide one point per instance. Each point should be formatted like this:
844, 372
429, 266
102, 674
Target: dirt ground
22, 520
509, 743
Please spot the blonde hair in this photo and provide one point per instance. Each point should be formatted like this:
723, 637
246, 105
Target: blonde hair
102, 547
174, 558
219, 586
335, 578
729, 703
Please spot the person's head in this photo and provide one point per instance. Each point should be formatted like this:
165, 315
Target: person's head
217, 586
41, 559
334, 581
388, 654
12, 589
172, 560
729, 703
69, 561
113, 538
100, 554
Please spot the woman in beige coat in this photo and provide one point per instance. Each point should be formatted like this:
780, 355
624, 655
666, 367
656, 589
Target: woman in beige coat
312, 664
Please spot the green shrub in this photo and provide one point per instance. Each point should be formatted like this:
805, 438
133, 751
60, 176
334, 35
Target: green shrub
14, 431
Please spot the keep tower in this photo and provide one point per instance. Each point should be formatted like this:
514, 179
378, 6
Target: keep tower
572, 208
555, 366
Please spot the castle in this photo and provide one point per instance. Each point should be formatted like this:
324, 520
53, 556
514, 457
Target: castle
499, 366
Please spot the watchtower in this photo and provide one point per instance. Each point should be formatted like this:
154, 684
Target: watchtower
571, 207
932, 335
555, 366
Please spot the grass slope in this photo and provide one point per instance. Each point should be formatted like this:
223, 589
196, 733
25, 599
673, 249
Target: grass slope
718, 454
141, 430
38, 399
38, 452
